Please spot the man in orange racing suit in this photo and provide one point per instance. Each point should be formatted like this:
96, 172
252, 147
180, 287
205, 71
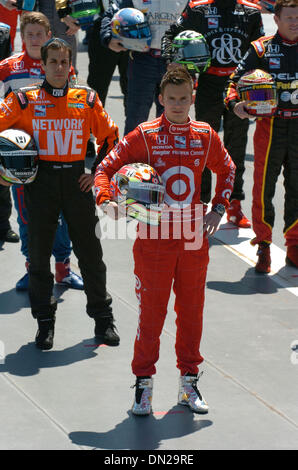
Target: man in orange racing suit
18, 71
60, 118
179, 149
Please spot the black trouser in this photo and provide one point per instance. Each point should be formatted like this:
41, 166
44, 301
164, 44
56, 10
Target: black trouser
209, 107
55, 191
5, 209
275, 147
102, 64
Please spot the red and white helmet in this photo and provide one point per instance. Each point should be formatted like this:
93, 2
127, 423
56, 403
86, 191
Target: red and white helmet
139, 188
258, 89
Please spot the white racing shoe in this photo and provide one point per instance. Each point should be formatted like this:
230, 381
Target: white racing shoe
143, 396
189, 394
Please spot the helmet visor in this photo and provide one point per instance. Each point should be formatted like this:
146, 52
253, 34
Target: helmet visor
19, 159
195, 50
137, 31
258, 94
84, 7
146, 193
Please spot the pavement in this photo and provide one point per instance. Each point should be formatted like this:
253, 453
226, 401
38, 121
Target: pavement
78, 395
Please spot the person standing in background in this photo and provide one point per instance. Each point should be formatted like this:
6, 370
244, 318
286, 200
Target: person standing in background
228, 27
65, 29
275, 138
103, 62
145, 69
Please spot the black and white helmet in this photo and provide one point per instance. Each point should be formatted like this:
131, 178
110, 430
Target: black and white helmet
18, 157
191, 49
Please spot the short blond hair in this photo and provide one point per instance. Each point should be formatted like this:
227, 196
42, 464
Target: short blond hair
34, 17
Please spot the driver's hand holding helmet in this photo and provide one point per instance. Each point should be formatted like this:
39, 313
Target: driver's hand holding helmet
84, 12
130, 30
258, 95
138, 191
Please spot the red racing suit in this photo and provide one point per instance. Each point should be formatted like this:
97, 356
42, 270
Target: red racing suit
275, 139
179, 153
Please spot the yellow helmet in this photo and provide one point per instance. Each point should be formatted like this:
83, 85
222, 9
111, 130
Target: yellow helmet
258, 89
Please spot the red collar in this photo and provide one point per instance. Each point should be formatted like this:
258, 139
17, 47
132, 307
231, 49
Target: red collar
175, 128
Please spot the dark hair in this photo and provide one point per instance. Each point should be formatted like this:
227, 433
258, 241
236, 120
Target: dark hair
56, 44
280, 4
177, 76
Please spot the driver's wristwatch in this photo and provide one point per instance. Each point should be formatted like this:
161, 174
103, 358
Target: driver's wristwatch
219, 209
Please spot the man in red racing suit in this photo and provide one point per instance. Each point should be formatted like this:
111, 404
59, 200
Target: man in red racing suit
179, 151
275, 139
